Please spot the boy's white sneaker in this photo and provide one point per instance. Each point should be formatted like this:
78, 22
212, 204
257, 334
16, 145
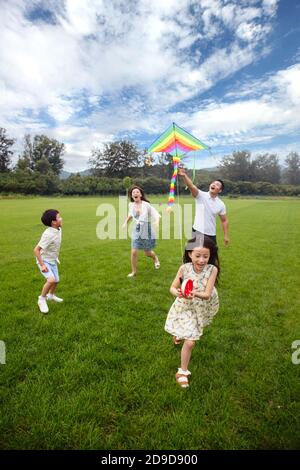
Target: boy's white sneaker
54, 297
43, 305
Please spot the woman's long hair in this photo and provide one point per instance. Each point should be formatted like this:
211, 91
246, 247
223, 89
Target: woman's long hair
142, 193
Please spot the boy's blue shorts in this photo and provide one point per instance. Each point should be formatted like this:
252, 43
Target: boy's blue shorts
52, 270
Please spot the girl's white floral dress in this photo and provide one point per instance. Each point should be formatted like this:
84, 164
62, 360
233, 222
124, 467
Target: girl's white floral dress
187, 318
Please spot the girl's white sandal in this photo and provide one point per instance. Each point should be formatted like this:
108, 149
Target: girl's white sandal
182, 378
157, 264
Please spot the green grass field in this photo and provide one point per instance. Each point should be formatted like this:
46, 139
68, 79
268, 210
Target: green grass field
98, 371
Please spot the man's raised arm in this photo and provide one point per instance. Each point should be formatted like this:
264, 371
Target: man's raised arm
194, 190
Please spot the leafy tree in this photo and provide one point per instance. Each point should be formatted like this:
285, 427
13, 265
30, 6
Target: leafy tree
43, 166
23, 164
161, 166
237, 167
264, 187
127, 182
5, 151
27, 156
43, 148
292, 172
165, 160
116, 159
266, 168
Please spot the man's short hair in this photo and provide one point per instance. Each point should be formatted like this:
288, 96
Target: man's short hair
222, 183
49, 216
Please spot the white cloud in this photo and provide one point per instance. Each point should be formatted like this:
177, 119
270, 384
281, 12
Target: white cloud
274, 112
119, 65
252, 32
61, 109
270, 7
81, 17
289, 80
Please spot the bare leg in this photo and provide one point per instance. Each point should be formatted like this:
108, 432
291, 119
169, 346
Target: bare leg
52, 288
186, 353
134, 253
49, 284
152, 255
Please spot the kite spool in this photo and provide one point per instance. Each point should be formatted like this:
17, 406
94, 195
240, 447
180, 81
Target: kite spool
186, 287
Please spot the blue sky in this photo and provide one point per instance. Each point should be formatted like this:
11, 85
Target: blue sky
88, 72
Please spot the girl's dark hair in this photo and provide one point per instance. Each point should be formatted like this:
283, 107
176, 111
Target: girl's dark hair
142, 193
205, 242
49, 216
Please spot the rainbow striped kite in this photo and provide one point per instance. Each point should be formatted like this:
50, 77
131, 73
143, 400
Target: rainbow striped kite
177, 142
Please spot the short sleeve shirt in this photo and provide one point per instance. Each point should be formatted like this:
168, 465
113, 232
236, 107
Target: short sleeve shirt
50, 244
207, 208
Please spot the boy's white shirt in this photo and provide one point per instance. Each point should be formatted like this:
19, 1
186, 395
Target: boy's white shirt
50, 244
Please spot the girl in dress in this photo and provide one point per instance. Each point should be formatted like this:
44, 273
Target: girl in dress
143, 236
189, 315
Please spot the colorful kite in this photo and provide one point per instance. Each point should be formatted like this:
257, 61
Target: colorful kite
178, 143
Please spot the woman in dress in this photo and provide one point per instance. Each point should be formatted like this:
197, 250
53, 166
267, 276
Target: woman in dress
143, 235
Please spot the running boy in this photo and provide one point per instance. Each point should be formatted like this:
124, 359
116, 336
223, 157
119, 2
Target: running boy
46, 253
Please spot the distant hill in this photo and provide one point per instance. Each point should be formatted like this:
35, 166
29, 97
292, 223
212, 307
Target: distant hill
65, 174
215, 168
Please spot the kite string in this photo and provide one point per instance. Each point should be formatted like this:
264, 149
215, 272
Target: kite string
177, 184
179, 215
194, 169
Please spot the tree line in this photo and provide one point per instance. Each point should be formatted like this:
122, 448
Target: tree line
240, 166
39, 165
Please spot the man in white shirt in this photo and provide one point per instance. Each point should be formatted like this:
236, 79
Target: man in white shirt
208, 206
